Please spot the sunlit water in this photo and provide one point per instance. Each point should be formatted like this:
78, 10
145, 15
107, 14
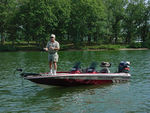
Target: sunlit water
18, 95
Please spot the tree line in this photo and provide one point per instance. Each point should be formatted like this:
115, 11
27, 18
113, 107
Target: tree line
75, 21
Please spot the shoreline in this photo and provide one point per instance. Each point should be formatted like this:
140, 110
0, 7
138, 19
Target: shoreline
70, 47
134, 49
121, 49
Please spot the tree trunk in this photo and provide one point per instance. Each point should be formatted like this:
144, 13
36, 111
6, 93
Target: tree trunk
95, 37
115, 29
13, 42
81, 38
28, 42
110, 40
89, 39
144, 32
128, 39
2, 39
68, 37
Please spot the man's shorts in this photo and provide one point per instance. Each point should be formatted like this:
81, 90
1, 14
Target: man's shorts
53, 57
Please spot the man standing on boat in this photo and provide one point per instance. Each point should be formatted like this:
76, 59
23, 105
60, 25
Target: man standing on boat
52, 47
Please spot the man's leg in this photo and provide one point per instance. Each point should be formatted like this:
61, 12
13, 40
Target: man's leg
50, 66
55, 63
55, 68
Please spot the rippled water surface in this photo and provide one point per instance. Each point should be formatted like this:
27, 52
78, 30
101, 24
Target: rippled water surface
18, 95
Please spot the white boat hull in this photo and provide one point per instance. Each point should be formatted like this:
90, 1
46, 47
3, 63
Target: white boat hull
68, 79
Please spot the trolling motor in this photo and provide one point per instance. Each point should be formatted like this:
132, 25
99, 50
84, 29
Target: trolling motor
124, 67
76, 68
105, 66
23, 74
92, 68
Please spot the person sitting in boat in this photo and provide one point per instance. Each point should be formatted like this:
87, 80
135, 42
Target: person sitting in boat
52, 47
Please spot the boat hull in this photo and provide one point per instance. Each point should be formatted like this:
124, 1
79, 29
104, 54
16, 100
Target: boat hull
67, 79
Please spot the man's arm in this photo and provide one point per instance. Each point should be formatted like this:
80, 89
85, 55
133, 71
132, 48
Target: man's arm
57, 47
52, 48
46, 49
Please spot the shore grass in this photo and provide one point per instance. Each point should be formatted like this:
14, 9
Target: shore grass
105, 47
32, 46
21, 46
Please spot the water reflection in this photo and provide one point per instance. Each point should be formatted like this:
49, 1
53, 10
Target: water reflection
58, 92
57, 98
127, 97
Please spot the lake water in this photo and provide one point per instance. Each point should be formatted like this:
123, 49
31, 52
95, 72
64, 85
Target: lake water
18, 95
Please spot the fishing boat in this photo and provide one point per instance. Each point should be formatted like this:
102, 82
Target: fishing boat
78, 76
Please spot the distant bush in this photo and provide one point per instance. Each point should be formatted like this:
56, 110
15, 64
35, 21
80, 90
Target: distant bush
7, 48
106, 46
146, 44
135, 45
19, 47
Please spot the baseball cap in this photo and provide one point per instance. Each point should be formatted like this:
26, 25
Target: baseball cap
52, 35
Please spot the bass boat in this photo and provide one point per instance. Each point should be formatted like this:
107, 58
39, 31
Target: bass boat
78, 76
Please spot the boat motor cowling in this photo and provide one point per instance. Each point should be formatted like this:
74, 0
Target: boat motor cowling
105, 66
124, 67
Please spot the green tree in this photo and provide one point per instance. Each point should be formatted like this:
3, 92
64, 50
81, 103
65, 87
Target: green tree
61, 9
115, 11
144, 20
7, 10
144, 28
37, 20
87, 20
136, 20
40, 18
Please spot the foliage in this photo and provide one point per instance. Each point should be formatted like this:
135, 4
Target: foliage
135, 45
7, 9
87, 20
136, 21
146, 44
75, 21
116, 12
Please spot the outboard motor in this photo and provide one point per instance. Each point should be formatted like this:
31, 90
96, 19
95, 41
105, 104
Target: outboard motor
105, 66
124, 67
92, 68
76, 68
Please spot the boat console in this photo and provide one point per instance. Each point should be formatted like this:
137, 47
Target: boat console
105, 66
76, 68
